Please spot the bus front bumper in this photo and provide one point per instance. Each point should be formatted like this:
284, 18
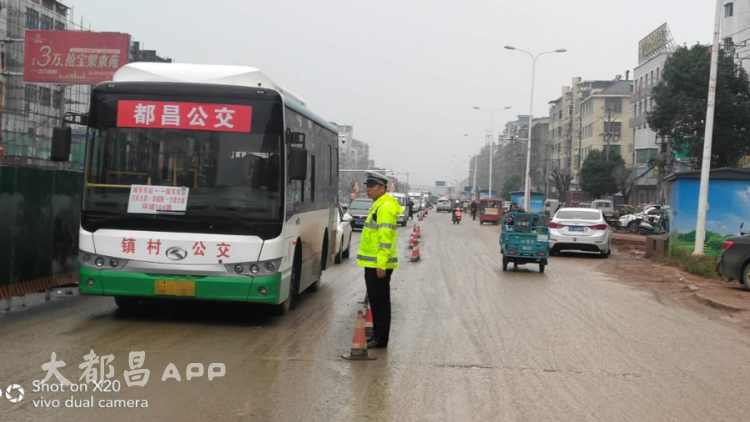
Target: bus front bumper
123, 283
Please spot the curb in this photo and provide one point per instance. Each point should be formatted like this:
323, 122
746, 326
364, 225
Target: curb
717, 304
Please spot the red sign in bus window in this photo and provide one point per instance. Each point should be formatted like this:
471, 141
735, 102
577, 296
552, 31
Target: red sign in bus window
175, 115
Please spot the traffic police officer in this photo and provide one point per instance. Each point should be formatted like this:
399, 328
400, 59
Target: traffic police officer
379, 255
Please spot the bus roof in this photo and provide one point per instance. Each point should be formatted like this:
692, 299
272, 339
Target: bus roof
214, 74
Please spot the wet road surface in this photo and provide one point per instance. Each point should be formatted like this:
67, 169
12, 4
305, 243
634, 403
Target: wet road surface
468, 342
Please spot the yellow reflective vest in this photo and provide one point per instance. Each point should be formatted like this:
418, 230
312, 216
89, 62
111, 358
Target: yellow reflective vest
377, 246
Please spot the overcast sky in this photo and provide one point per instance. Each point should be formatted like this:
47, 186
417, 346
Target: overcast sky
406, 73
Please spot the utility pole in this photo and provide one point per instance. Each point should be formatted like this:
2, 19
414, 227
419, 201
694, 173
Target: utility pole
700, 227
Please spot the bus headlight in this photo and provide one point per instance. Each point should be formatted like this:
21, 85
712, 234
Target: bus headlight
92, 260
254, 269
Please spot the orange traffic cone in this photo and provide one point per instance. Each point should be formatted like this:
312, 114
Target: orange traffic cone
415, 252
413, 240
359, 342
419, 217
368, 321
419, 231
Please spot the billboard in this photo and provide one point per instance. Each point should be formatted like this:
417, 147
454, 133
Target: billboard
73, 57
654, 43
440, 183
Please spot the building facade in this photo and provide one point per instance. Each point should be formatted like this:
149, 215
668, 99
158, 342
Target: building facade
734, 30
353, 155
645, 148
605, 121
571, 139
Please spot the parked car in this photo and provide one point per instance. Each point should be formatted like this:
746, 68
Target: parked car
359, 209
580, 229
626, 221
443, 205
401, 218
735, 261
344, 238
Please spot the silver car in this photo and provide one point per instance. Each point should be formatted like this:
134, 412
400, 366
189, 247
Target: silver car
580, 229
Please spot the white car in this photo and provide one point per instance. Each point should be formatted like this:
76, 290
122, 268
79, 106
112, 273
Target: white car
344, 239
443, 205
580, 229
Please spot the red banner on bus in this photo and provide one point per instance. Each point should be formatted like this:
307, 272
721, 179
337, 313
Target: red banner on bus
177, 115
73, 57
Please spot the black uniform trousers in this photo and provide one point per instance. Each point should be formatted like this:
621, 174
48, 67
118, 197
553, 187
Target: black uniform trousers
379, 295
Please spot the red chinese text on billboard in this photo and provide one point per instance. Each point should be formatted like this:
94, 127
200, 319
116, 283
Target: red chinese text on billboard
73, 57
177, 115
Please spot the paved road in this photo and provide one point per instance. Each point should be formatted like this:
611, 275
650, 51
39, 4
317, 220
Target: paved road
469, 342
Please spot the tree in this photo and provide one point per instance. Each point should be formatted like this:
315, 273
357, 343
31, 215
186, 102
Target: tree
512, 183
562, 180
597, 176
680, 110
623, 181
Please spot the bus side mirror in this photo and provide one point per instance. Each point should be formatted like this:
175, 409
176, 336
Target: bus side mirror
62, 137
297, 164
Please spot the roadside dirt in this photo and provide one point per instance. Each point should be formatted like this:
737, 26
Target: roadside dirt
717, 298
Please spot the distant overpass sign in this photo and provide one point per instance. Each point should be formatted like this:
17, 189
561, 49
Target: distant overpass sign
440, 184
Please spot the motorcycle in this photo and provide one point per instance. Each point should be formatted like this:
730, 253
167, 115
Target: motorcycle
457, 216
646, 228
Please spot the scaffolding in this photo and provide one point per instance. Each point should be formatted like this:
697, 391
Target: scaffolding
30, 111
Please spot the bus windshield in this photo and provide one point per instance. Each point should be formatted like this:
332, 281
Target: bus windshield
227, 173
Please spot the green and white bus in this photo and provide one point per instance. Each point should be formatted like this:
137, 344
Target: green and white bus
204, 182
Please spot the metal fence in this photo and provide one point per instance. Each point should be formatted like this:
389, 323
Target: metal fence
40, 211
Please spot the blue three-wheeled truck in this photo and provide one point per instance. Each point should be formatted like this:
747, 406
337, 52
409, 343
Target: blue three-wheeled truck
524, 240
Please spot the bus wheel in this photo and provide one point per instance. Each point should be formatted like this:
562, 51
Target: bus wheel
323, 264
340, 252
284, 307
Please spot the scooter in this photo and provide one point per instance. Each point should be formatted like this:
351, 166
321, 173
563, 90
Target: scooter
457, 216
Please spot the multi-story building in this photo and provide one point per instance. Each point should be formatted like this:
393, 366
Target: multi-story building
653, 52
605, 121
571, 139
510, 158
734, 30
353, 155
31, 110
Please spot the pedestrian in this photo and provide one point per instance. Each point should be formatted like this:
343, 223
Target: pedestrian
410, 204
474, 209
378, 254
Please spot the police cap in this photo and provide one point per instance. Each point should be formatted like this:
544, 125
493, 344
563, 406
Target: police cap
374, 178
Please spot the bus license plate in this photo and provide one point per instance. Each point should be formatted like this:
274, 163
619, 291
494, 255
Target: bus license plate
174, 288
527, 248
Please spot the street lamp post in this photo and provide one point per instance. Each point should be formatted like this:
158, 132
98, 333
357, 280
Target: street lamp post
527, 184
492, 140
476, 168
